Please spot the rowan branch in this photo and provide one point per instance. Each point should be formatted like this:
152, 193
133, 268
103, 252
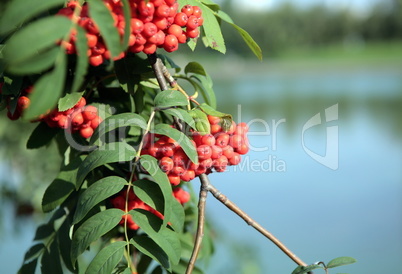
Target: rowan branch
157, 67
200, 225
251, 222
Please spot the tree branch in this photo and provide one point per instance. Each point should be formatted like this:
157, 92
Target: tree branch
200, 226
224, 200
158, 68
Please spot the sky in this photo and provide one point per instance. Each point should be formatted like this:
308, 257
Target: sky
357, 5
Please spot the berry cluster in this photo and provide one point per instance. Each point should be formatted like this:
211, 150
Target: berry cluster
215, 151
80, 118
22, 103
153, 24
119, 201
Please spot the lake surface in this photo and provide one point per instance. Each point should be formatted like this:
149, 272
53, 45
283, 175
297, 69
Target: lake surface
326, 183
352, 208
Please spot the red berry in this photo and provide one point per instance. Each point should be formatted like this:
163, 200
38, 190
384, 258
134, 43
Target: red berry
181, 195
146, 9
228, 151
204, 152
242, 149
175, 30
208, 139
161, 23
92, 39
86, 132
192, 33
213, 120
174, 179
137, 26
188, 175
170, 2
62, 122
162, 11
13, 116
182, 38
166, 164
90, 113
23, 103
181, 19
197, 11
216, 152
221, 163
95, 60
77, 119
149, 29
192, 22
171, 43
222, 140
177, 170
235, 159
149, 48
95, 122
187, 9
82, 102
98, 49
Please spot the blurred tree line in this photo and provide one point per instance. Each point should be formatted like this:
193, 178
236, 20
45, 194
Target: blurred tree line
288, 26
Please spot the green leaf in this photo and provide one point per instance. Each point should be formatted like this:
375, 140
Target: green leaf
341, 261
47, 90
19, 11
50, 262
244, 34
148, 247
69, 100
42, 35
212, 30
28, 268
167, 239
107, 259
206, 89
41, 136
117, 121
92, 229
95, 193
180, 137
61, 187
35, 64
104, 20
178, 216
63, 237
34, 252
201, 121
194, 67
150, 164
43, 231
305, 269
109, 153
182, 115
170, 98
127, 20
81, 67
150, 193
182, 266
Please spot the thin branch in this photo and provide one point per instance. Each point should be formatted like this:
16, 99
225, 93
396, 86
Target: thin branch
157, 67
224, 200
200, 226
